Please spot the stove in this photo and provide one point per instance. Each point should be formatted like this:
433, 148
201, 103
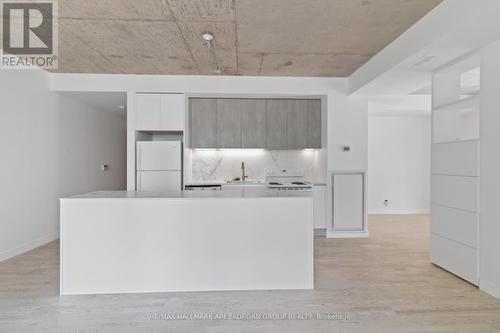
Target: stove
287, 181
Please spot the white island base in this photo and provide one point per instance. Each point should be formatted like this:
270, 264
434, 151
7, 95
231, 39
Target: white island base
128, 242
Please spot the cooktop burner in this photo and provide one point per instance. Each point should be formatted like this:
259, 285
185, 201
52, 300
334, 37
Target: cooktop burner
286, 181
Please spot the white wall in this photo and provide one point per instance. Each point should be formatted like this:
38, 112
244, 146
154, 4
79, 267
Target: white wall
46, 142
399, 164
28, 172
347, 126
346, 116
88, 138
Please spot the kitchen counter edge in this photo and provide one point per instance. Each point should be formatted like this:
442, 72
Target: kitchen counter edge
225, 194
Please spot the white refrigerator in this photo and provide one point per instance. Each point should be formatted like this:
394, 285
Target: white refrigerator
159, 166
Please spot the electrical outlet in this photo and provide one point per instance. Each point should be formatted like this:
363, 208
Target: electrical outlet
386, 202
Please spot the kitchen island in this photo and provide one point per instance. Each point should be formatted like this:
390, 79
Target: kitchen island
241, 239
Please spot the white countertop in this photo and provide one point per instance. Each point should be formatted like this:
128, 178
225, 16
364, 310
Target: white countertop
221, 182
204, 182
250, 182
251, 192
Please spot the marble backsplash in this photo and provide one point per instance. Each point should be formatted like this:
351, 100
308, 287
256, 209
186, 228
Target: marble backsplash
217, 165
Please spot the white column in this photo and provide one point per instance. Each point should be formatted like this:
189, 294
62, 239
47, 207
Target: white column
489, 231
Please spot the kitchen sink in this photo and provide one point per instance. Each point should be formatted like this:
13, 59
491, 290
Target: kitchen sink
245, 182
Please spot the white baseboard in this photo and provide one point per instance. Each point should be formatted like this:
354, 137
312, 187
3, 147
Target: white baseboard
490, 288
395, 211
319, 232
28, 246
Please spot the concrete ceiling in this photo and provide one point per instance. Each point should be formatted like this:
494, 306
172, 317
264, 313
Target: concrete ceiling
252, 37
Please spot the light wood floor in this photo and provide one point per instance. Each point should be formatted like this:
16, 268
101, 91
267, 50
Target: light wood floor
384, 283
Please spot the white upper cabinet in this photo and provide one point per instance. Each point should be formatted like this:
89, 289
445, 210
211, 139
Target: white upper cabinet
172, 112
148, 111
160, 112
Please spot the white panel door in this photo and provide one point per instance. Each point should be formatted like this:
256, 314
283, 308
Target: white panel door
456, 192
456, 158
158, 180
148, 113
348, 202
457, 258
455, 224
172, 112
159, 155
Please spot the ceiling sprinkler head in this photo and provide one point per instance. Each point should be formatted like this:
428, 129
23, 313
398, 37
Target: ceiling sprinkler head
207, 36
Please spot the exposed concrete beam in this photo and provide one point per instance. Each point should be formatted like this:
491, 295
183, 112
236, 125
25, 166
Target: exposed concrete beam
441, 21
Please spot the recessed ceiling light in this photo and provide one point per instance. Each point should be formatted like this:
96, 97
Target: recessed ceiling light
207, 36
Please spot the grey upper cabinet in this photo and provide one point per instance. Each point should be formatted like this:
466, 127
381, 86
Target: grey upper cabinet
229, 123
203, 122
313, 107
296, 124
275, 124
253, 123
276, 137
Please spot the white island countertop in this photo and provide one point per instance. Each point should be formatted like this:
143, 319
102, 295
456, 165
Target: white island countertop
230, 193
141, 242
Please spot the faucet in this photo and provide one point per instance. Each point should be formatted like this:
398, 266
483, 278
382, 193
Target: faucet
243, 176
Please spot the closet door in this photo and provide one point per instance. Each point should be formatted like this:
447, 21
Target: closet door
455, 168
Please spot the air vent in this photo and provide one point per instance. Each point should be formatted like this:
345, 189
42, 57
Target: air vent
423, 60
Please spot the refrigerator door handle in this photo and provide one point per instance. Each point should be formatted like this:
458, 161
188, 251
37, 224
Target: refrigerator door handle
138, 158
